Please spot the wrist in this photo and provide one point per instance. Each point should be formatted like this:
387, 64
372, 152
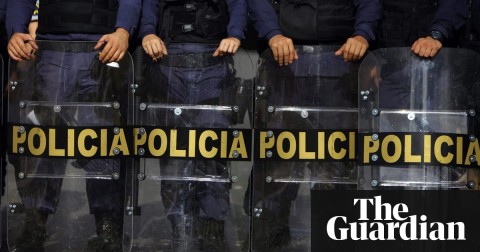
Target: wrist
436, 35
122, 31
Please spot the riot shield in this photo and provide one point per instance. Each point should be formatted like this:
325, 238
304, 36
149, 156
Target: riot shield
2, 144
418, 121
66, 148
193, 140
305, 124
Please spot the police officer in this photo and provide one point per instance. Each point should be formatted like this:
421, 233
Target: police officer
354, 32
71, 21
314, 22
426, 26
183, 29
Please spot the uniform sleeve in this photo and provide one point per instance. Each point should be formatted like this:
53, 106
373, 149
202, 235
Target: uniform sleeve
128, 14
369, 13
149, 20
475, 17
237, 10
19, 15
35, 13
451, 15
264, 18
3, 10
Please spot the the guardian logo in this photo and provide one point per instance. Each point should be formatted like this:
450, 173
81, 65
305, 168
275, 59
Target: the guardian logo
391, 223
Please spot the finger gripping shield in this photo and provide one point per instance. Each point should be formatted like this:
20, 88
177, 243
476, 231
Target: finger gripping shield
65, 181
418, 120
194, 148
305, 124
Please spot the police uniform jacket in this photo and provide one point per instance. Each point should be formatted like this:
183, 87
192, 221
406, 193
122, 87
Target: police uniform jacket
20, 12
265, 20
406, 21
3, 11
236, 25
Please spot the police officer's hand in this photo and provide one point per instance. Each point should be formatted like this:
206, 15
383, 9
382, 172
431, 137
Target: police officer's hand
353, 49
227, 46
426, 47
115, 47
283, 51
21, 46
154, 46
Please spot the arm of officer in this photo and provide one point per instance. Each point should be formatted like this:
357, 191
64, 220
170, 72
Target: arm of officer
18, 17
368, 16
116, 43
3, 11
33, 26
450, 16
151, 43
237, 10
265, 21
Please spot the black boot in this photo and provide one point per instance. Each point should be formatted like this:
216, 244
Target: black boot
182, 235
109, 233
211, 235
34, 232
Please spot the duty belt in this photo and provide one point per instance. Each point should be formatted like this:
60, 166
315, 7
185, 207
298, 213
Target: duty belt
68, 47
191, 60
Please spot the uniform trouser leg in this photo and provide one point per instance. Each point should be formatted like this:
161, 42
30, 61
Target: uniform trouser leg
271, 227
39, 196
106, 201
196, 210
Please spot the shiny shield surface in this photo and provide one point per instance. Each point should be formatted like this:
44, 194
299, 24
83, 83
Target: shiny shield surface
66, 173
305, 128
193, 147
418, 120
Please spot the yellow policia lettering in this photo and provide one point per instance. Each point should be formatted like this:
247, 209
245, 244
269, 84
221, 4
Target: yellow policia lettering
174, 152
120, 142
304, 154
51, 145
81, 142
17, 139
443, 159
306, 146
265, 144
102, 143
160, 150
211, 144
331, 145
408, 151
203, 146
239, 146
397, 149
71, 142
471, 147
286, 136
37, 150
446, 149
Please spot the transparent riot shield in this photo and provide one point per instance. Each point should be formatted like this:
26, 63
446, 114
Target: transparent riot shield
66, 148
305, 124
193, 140
418, 120
2, 146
